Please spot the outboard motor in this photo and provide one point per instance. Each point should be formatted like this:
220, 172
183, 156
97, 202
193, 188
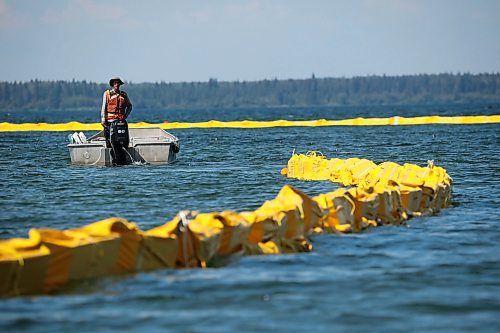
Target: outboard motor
119, 139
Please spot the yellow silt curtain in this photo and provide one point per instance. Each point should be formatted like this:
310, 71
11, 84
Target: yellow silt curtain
360, 169
433, 195
309, 211
384, 194
338, 172
139, 250
277, 220
338, 211
264, 230
76, 255
107, 247
51, 258
285, 221
404, 191
293, 245
315, 166
287, 215
411, 175
335, 169
437, 185
198, 236
267, 222
350, 171
23, 265
390, 210
262, 248
129, 237
393, 121
292, 167
366, 208
411, 198
235, 232
382, 174
206, 232
159, 249
311, 166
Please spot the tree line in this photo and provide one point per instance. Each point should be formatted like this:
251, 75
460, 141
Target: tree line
365, 90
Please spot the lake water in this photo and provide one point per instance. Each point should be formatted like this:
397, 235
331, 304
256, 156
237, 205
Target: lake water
437, 274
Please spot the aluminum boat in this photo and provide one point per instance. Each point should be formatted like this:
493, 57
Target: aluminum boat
147, 145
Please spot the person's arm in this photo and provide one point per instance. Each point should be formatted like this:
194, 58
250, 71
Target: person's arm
104, 108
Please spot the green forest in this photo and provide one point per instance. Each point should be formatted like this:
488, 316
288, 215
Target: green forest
366, 90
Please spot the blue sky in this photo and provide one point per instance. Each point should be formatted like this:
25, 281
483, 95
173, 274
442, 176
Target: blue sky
174, 41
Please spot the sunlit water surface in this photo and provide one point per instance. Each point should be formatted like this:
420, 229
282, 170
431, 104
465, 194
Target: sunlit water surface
437, 274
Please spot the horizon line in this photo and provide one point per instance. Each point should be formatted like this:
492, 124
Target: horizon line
313, 76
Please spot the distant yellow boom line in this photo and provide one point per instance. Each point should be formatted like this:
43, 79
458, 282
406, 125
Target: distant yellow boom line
391, 121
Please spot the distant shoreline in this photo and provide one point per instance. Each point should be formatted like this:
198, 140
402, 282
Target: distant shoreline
424, 89
484, 104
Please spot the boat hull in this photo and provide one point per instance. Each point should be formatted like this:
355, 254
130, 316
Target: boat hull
147, 145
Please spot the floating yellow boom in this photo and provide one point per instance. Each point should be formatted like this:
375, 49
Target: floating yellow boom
387, 193
76, 126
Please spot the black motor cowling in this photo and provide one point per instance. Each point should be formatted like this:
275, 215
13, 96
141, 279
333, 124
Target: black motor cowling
118, 132
119, 139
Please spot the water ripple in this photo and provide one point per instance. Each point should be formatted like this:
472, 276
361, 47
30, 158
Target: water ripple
437, 274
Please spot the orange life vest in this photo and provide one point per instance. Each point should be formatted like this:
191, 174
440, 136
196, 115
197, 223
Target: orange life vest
117, 104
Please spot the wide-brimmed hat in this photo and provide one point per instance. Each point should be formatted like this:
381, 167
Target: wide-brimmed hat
112, 81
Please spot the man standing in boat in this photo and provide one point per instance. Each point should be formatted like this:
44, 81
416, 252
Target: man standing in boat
115, 109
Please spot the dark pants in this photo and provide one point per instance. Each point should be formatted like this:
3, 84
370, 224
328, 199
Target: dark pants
106, 135
118, 141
